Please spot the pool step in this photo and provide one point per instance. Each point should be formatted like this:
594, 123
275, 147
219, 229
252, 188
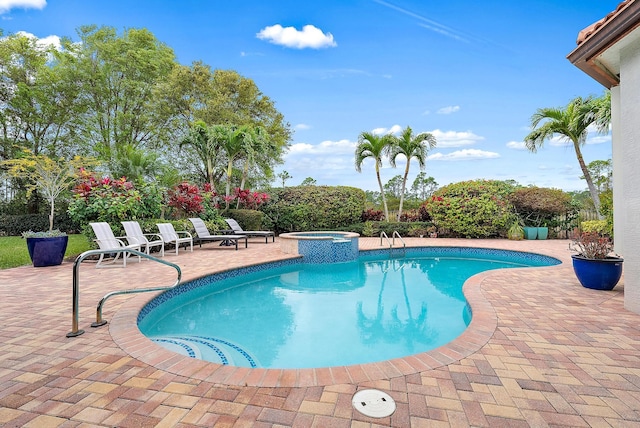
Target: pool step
207, 348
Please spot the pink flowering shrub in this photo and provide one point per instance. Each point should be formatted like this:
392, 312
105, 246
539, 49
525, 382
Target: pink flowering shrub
112, 200
186, 199
249, 200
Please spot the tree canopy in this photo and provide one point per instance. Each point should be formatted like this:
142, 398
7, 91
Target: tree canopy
122, 98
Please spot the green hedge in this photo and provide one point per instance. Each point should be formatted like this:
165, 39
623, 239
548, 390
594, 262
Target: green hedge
14, 225
405, 229
303, 208
247, 219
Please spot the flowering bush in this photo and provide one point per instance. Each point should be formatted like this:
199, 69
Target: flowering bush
186, 199
592, 245
471, 209
249, 200
112, 200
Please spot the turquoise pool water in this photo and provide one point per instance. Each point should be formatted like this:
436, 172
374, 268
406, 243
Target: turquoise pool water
303, 315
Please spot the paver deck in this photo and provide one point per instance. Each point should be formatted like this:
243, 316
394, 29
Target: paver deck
541, 351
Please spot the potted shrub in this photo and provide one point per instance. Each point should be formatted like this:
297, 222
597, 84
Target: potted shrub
595, 264
46, 248
516, 231
50, 177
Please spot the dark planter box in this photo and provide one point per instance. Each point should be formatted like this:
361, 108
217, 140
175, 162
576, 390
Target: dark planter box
47, 251
598, 274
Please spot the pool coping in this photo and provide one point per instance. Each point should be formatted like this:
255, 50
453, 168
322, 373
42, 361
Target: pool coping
125, 333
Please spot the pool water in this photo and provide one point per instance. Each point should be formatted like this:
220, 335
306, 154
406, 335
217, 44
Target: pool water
303, 316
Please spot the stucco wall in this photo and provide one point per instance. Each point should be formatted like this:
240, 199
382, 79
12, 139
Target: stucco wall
629, 158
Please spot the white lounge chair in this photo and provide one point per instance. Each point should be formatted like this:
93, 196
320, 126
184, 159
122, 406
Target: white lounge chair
135, 236
170, 236
107, 241
203, 234
237, 229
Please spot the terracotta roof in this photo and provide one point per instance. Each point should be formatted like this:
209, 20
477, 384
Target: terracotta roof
591, 29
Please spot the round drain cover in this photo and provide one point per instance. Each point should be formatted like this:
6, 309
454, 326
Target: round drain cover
373, 403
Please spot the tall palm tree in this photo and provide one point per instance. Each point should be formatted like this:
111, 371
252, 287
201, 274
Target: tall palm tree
257, 143
236, 142
600, 112
411, 146
206, 148
571, 124
374, 146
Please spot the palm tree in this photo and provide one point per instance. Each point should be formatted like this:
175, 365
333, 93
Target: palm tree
236, 142
374, 146
600, 111
411, 146
206, 148
284, 176
256, 139
571, 123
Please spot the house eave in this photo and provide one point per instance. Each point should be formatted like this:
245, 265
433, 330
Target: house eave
586, 55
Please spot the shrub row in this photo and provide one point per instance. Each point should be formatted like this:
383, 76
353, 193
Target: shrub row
294, 209
247, 219
14, 225
374, 228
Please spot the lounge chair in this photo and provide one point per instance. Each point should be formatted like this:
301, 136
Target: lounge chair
107, 241
204, 235
170, 236
135, 236
250, 233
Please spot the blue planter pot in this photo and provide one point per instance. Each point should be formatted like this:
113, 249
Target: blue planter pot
530, 232
47, 251
543, 232
598, 274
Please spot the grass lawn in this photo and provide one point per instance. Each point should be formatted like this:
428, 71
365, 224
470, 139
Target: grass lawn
13, 250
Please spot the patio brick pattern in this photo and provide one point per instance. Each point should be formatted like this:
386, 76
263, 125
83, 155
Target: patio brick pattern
541, 351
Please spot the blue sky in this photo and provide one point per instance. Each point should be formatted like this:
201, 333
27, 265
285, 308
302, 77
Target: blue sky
470, 72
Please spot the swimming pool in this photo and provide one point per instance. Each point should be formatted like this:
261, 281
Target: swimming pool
296, 315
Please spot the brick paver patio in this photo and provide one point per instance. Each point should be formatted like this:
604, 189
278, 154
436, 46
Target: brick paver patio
541, 351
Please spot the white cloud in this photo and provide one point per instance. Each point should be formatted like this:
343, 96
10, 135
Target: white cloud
455, 139
427, 112
517, 145
448, 110
328, 148
381, 131
7, 5
464, 155
559, 141
302, 127
309, 37
598, 139
44, 42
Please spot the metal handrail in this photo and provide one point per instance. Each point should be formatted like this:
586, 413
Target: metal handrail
383, 234
76, 286
396, 233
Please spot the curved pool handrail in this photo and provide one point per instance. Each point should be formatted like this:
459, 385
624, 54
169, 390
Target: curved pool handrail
76, 286
384, 235
396, 233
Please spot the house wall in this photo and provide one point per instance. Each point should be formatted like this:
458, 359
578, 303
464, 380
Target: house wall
618, 174
629, 159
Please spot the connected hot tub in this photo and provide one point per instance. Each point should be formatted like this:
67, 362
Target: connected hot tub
321, 247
